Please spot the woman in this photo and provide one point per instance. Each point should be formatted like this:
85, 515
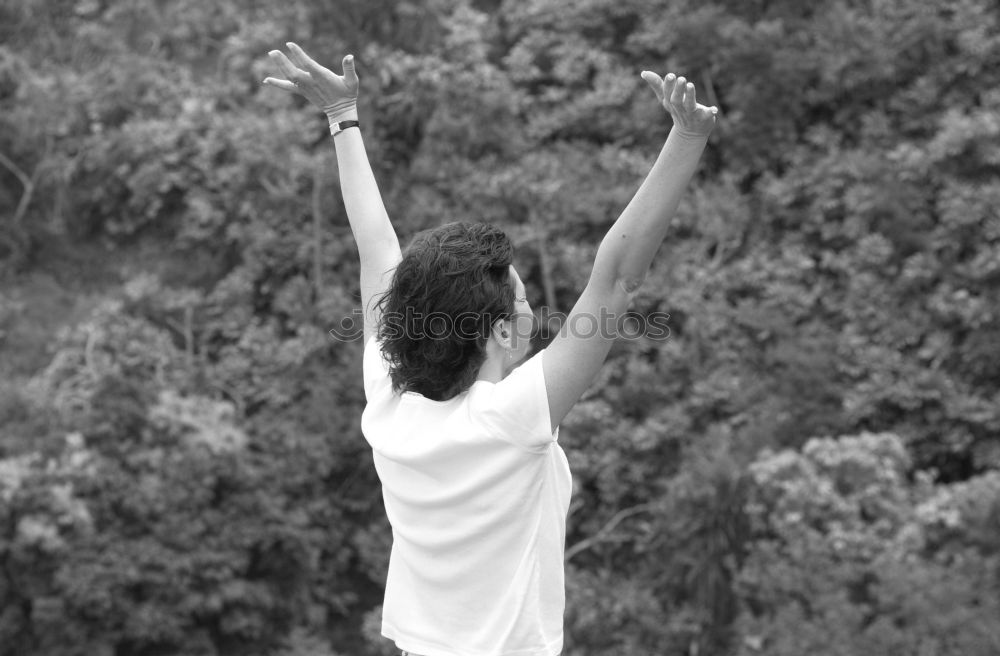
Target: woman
462, 423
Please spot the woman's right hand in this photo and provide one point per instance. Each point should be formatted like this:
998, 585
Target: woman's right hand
337, 95
677, 96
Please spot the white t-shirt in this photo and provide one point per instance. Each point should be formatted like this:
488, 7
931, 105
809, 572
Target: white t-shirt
477, 490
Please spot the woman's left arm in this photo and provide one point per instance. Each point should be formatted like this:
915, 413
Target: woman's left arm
574, 357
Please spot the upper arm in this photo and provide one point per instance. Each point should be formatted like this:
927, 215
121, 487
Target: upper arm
378, 263
574, 357
374, 369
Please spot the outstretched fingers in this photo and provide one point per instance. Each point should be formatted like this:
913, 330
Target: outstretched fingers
655, 82
302, 60
672, 90
689, 98
677, 95
289, 69
350, 75
281, 84
680, 99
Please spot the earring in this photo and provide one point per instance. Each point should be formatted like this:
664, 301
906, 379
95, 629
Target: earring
510, 356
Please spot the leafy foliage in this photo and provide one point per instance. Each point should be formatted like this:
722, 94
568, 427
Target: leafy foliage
860, 560
808, 463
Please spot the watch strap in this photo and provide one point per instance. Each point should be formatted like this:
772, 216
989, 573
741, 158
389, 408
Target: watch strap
337, 128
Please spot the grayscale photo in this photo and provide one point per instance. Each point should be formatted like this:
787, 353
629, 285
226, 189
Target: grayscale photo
499, 328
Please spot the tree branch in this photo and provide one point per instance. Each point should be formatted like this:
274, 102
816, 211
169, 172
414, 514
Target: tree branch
317, 217
26, 181
546, 266
189, 337
587, 543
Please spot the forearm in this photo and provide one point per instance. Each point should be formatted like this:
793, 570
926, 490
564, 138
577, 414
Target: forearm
366, 212
627, 251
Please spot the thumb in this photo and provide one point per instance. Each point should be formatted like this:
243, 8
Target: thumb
350, 75
655, 82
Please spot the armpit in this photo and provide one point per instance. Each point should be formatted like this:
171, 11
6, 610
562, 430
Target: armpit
630, 285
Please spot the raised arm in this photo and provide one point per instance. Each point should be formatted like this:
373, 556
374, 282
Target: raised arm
337, 96
575, 356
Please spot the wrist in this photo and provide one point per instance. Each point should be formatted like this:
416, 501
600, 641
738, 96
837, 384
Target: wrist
688, 135
343, 116
336, 127
336, 114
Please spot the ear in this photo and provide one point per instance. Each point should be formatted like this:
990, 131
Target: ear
501, 332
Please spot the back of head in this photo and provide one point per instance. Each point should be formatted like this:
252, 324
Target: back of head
451, 285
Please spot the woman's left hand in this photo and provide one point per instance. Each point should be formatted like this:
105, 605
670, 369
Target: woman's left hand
337, 95
677, 96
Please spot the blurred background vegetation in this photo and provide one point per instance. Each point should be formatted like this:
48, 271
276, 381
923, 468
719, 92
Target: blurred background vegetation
810, 464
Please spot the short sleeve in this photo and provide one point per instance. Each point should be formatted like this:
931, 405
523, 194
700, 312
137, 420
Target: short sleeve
517, 407
375, 369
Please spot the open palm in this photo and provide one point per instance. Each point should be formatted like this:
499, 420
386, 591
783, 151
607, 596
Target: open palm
334, 94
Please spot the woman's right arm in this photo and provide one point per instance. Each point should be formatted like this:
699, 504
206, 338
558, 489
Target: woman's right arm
574, 357
337, 96
378, 246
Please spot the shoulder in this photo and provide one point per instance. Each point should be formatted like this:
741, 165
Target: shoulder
516, 409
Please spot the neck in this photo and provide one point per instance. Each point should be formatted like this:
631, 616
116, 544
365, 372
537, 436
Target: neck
494, 367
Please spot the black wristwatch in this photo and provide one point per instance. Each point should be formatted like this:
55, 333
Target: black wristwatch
337, 128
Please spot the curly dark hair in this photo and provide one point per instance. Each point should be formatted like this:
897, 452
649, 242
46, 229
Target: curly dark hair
451, 285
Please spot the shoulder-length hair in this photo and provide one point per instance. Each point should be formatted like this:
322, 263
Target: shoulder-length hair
452, 284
